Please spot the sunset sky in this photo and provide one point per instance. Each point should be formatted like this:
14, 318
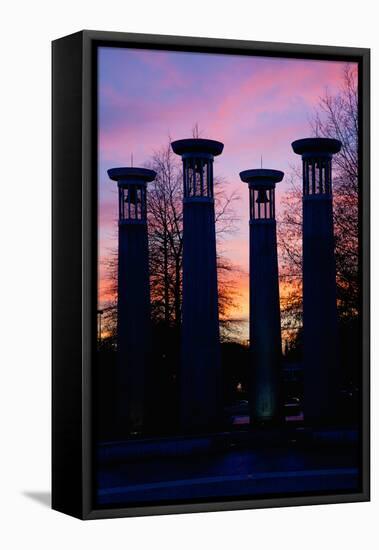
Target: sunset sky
254, 105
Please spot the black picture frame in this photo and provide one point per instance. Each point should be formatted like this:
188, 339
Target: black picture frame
74, 205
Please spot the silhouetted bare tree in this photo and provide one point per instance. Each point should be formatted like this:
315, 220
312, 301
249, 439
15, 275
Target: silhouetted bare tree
336, 116
165, 226
165, 236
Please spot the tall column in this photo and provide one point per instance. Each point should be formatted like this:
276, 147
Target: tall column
133, 306
200, 376
265, 333
319, 281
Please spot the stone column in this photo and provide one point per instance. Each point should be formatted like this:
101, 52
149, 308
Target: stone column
319, 281
265, 331
133, 306
200, 374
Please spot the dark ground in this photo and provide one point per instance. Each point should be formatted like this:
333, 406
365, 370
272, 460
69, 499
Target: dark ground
292, 468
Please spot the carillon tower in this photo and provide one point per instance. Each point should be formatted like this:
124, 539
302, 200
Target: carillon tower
200, 376
133, 307
319, 281
265, 333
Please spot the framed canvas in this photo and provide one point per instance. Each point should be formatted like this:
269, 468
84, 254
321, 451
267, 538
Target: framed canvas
210, 274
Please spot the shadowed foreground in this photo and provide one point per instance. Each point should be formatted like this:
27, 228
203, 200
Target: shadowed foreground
124, 477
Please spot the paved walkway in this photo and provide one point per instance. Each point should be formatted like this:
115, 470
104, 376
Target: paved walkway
240, 472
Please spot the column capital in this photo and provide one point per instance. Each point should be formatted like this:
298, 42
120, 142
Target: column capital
128, 175
196, 146
316, 147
